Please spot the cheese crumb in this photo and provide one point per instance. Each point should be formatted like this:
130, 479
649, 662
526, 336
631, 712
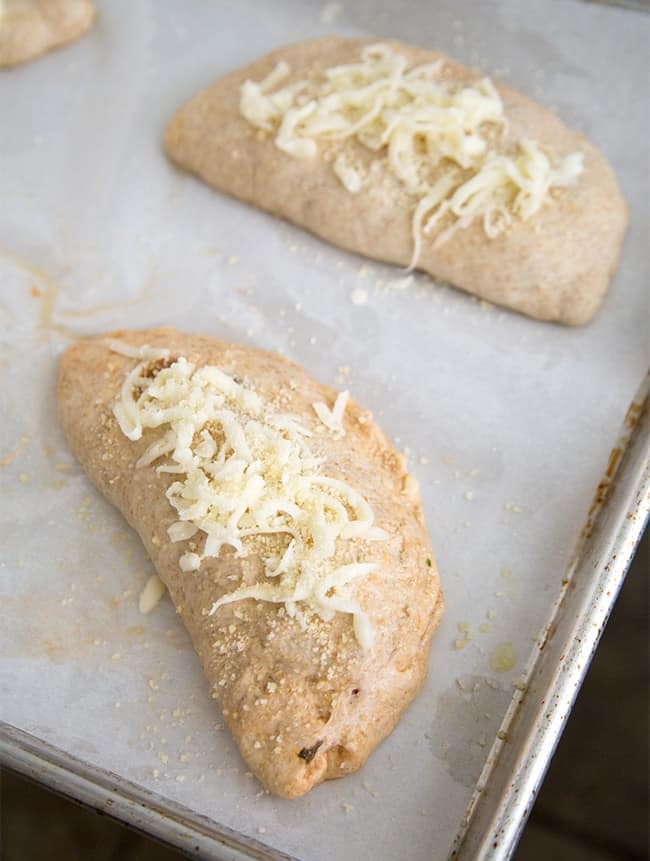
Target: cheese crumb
398, 283
350, 175
330, 12
503, 658
359, 296
342, 373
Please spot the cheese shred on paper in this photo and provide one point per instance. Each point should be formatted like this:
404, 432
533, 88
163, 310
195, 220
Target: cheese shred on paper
439, 139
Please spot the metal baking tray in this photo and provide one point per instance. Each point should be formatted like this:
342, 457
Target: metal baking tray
508, 424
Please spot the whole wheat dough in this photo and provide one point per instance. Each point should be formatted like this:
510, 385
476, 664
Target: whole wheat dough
304, 705
29, 28
555, 266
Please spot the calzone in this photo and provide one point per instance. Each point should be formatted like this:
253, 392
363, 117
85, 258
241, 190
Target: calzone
29, 28
286, 528
403, 155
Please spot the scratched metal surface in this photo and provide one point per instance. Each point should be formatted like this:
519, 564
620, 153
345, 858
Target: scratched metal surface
509, 422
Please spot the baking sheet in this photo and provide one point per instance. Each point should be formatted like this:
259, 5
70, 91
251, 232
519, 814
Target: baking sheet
508, 422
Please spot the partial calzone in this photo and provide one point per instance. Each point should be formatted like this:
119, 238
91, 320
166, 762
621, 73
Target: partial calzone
29, 28
286, 528
406, 156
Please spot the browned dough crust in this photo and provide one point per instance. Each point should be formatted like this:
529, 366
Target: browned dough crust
30, 28
304, 705
556, 266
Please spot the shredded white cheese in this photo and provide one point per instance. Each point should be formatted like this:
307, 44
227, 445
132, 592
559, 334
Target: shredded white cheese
333, 418
442, 141
243, 471
151, 595
131, 352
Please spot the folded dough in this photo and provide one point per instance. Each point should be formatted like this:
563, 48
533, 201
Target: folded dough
304, 700
555, 266
29, 28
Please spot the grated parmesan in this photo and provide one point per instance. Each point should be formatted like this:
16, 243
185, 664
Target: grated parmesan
244, 470
438, 139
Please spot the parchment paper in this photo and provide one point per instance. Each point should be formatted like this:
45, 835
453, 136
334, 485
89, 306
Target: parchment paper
508, 421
